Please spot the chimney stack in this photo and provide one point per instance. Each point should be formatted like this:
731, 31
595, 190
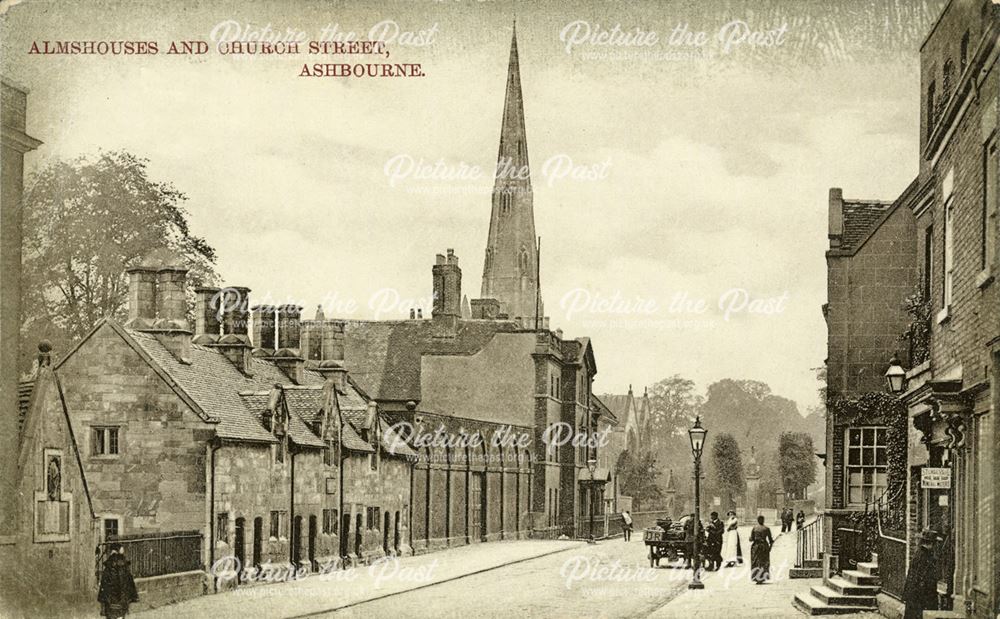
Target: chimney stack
237, 348
447, 287
207, 317
289, 327
836, 207
263, 329
158, 301
235, 311
334, 371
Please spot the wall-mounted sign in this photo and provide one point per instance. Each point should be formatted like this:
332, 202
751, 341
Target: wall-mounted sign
935, 477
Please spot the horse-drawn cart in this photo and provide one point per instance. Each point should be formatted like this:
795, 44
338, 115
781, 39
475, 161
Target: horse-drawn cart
670, 539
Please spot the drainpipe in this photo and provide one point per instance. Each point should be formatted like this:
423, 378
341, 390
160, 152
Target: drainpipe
214, 446
293, 534
341, 540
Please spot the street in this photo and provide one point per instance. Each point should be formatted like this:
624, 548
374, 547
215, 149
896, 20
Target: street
555, 578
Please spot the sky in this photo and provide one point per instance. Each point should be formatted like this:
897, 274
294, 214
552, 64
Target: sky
680, 179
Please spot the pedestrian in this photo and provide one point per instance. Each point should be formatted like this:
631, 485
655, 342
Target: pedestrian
732, 554
627, 525
761, 542
713, 544
800, 520
920, 588
117, 587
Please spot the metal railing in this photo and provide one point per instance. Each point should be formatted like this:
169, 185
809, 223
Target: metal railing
809, 541
155, 554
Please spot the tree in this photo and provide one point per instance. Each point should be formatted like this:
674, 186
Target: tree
728, 468
638, 473
673, 405
796, 461
86, 221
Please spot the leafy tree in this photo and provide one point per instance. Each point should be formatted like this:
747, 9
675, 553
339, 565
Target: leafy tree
86, 221
638, 474
796, 461
727, 464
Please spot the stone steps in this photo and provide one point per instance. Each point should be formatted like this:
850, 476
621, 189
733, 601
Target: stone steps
832, 597
811, 605
805, 572
846, 587
868, 568
861, 578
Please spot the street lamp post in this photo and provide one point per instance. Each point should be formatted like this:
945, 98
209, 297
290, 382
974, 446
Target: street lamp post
697, 435
592, 467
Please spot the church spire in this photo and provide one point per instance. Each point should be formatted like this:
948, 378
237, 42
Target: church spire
510, 272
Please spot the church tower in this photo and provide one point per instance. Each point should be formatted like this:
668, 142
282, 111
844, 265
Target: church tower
510, 269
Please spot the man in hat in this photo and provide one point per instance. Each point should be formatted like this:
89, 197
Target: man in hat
920, 589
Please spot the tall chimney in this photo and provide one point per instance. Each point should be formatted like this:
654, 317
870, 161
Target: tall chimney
263, 328
171, 294
235, 310
447, 287
207, 318
289, 317
141, 297
836, 207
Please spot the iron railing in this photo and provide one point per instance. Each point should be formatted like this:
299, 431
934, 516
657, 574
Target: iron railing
155, 554
809, 542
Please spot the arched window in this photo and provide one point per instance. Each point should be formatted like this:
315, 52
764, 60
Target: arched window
489, 260
522, 261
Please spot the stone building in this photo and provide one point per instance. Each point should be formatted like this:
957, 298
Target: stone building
238, 451
15, 143
524, 392
952, 394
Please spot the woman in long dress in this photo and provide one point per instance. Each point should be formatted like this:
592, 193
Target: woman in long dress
732, 554
760, 552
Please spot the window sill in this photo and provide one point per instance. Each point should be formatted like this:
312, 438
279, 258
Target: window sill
984, 279
944, 315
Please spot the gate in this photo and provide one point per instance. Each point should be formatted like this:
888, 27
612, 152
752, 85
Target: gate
239, 543
477, 503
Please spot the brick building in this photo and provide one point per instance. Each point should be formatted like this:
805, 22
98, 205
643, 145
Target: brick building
952, 395
934, 252
871, 270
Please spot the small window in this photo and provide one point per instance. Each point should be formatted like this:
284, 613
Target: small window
222, 527
372, 514
104, 441
110, 528
330, 521
867, 464
276, 524
279, 451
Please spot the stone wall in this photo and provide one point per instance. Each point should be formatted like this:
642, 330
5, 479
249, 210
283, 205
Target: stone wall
106, 382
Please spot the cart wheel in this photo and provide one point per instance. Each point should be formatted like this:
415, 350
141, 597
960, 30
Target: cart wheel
672, 555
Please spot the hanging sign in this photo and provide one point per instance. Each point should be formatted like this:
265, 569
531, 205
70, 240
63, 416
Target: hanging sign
935, 477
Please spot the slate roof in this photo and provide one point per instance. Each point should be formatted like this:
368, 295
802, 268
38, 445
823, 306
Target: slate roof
256, 403
384, 356
214, 384
860, 216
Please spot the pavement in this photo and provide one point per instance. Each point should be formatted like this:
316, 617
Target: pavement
532, 578
729, 592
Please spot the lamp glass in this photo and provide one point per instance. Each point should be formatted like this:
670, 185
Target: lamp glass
697, 434
895, 377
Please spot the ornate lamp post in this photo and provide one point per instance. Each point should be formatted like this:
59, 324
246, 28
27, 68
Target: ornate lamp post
895, 377
697, 435
592, 467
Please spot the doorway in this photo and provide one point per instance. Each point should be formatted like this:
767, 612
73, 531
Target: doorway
385, 533
395, 535
345, 532
297, 540
258, 538
477, 503
239, 543
358, 524
311, 548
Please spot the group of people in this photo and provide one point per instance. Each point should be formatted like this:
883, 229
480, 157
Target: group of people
721, 546
788, 515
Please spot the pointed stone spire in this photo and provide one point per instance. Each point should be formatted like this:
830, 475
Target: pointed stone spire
510, 269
